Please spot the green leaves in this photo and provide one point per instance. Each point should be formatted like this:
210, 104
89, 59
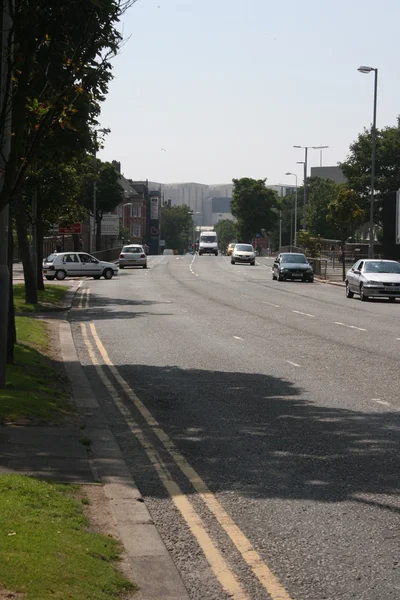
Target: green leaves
346, 212
176, 226
255, 207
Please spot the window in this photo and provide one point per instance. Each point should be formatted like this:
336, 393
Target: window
136, 210
70, 258
86, 258
136, 230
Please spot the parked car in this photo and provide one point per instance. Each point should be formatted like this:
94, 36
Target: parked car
76, 264
243, 253
292, 265
133, 256
230, 249
374, 279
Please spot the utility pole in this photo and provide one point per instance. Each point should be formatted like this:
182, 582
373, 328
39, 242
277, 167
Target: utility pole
5, 143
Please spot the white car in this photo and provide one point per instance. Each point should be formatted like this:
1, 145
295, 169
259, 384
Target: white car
374, 279
132, 256
76, 264
243, 253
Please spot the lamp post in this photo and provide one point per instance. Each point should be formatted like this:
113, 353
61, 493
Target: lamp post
366, 70
306, 148
295, 212
123, 213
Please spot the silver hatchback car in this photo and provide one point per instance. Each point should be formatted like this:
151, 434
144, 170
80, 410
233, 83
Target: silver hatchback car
372, 278
133, 256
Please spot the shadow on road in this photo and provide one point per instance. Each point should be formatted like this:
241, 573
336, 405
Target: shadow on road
252, 433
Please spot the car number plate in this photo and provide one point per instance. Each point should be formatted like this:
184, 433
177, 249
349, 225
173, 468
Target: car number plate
392, 289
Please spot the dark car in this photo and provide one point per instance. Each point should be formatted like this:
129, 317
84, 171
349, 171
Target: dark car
290, 265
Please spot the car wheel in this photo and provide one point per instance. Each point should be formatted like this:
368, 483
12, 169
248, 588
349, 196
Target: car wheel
280, 278
96, 276
273, 277
107, 274
232, 262
392, 299
311, 280
363, 297
253, 264
50, 277
216, 253
349, 293
144, 266
60, 275
121, 266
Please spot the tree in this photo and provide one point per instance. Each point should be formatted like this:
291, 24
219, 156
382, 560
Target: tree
255, 206
226, 232
347, 214
310, 244
321, 192
176, 226
286, 214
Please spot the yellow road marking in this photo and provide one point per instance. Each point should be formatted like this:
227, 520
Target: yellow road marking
264, 574
223, 573
84, 298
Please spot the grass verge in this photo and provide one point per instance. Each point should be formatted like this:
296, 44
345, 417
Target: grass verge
49, 299
47, 551
36, 389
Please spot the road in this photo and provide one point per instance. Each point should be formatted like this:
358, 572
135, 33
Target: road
260, 420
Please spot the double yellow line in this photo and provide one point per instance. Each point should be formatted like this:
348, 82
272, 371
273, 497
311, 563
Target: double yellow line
218, 564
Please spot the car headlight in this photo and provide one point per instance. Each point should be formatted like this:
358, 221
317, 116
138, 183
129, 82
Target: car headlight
308, 270
373, 282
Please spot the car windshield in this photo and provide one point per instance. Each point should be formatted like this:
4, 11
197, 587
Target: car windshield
244, 247
132, 249
51, 258
381, 266
208, 239
294, 258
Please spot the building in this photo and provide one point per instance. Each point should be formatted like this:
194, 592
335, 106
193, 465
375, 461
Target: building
132, 210
215, 209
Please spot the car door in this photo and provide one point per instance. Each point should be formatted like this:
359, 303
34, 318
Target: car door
90, 265
355, 276
71, 264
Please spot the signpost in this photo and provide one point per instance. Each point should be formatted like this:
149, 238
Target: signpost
162, 243
398, 217
110, 225
75, 228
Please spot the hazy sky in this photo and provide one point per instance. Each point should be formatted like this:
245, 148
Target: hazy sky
227, 87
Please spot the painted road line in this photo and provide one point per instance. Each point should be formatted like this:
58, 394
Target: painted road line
350, 326
298, 312
223, 573
263, 573
87, 298
292, 363
83, 298
379, 401
270, 304
236, 337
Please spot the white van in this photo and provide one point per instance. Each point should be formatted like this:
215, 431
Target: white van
208, 243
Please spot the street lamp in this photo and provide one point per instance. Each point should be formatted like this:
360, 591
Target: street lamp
306, 148
295, 211
123, 213
366, 70
320, 148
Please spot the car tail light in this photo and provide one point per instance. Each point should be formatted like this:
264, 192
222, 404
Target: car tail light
121, 256
142, 256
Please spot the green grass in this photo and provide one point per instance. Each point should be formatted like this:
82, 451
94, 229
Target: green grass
49, 299
46, 550
35, 389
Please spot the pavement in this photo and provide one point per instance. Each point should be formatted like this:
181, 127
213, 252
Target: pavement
260, 421
255, 423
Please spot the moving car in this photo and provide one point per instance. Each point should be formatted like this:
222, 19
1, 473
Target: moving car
243, 253
291, 265
208, 243
374, 279
76, 264
133, 255
168, 252
230, 249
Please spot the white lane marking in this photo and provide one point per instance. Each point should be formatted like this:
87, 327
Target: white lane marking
270, 304
398, 339
349, 326
383, 402
292, 363
184, 310
237, 337
191, 267
304, 314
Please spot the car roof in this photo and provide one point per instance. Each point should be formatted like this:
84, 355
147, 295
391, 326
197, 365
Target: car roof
292, 254
386, 260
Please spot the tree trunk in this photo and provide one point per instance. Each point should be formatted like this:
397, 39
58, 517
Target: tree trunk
76, 242
11, 331
39, 250
99, 217
23, 243
344, 264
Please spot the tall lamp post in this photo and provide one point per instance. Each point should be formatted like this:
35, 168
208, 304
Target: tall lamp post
364, 69
306, 148
123, 213
295, 212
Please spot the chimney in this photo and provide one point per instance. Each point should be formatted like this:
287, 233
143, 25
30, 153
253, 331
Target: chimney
117, 166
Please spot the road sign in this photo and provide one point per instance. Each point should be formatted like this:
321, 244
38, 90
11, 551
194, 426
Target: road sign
75, 228
110, 225
162, 243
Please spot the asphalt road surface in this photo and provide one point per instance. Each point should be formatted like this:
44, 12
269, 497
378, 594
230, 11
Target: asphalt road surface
260, 420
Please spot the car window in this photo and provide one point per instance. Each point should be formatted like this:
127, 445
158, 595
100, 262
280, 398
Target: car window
86, 258
133, 249
355, 266
70, 258
294, 258
51, 258
208, 239
360, 265
382, 266
244, 247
